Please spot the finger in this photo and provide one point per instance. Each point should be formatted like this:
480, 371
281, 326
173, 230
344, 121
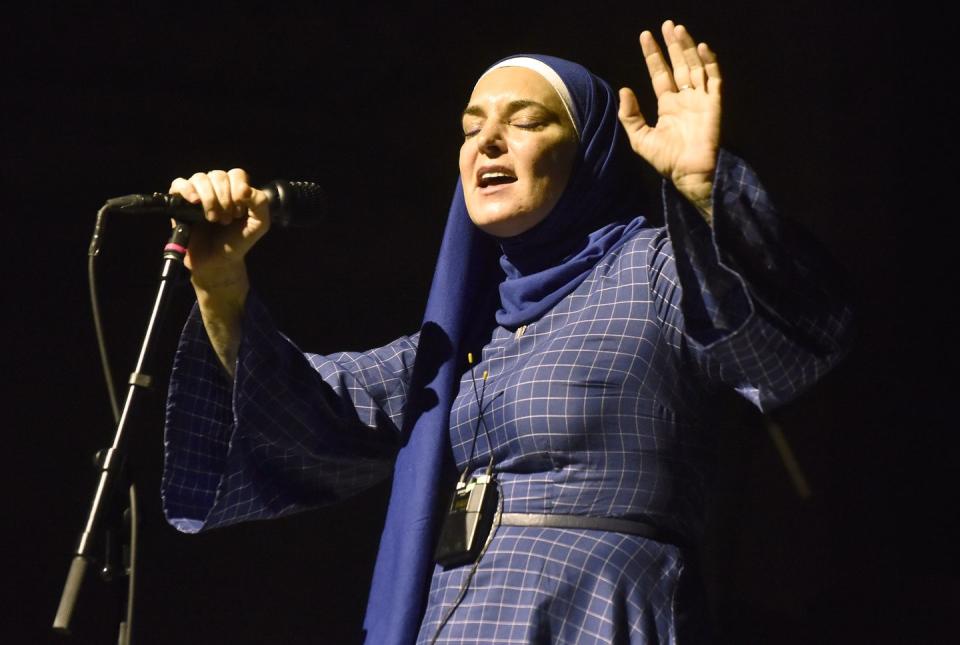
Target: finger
681, 72
711, 67
240, 189
208, 197
660, 75
691, 57
221, 186
629, 111
252, 203
185, 189
639, 132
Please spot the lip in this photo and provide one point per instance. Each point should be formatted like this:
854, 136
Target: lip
492, 190
482, 170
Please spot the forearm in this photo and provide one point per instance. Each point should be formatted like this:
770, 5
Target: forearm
221, 301
290, 432
760, 300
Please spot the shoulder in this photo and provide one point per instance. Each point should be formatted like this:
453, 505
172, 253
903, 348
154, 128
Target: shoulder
639, 247
625, 268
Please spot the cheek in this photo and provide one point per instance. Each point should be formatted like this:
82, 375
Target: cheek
551, 167
465, 161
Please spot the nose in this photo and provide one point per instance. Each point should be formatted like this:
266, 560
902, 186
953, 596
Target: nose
490, 140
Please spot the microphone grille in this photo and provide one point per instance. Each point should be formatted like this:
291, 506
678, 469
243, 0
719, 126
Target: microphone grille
296, 203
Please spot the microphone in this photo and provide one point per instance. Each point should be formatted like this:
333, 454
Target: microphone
293, 204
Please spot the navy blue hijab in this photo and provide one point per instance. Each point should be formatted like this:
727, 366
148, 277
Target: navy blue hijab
596, 214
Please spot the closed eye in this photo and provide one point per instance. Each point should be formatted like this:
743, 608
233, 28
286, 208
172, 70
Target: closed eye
527, 124
524, 114
471, 126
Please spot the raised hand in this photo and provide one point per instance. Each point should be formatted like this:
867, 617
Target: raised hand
684, 143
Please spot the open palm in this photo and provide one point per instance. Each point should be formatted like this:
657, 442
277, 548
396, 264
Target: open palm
683, 144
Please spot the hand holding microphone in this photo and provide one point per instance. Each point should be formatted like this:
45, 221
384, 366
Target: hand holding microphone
241, 214
237, 213
229, 217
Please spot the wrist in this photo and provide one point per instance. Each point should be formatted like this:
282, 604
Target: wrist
705, 208
222, 300
700, 195
225, 284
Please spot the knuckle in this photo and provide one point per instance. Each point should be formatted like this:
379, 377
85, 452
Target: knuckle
239, 185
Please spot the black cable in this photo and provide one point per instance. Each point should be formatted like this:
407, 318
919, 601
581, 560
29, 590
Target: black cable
473, 570
131, 566
95, 310
127, 626
481, 410
480, 419
476, 429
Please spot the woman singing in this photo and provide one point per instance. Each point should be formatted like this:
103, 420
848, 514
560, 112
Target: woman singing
568, 364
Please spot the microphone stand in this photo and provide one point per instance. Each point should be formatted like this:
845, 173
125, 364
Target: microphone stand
111, 463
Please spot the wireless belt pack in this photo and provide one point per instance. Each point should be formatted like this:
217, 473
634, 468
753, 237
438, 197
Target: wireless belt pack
468, 521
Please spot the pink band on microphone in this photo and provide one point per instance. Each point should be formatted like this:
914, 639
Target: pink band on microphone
175, 247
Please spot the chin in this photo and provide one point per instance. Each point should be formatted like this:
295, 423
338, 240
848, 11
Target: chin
506, 226
505, 223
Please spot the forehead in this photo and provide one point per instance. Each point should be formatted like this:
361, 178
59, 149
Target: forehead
506, 84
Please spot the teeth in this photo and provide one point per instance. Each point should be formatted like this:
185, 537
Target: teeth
494, 175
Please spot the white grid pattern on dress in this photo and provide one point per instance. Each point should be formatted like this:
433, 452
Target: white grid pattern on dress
606, 410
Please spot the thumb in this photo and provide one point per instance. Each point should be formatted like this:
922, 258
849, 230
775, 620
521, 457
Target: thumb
629, 111
258, 203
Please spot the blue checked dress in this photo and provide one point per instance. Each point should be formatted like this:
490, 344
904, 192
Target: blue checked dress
601, 407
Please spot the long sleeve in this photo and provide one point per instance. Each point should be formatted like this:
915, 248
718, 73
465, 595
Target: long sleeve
292, 431
749, 300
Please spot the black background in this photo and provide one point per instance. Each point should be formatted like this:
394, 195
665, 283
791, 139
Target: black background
824, 101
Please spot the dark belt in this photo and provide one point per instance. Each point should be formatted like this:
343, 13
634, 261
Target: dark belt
612, 524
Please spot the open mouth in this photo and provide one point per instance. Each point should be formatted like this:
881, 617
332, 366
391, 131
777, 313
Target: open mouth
495, 178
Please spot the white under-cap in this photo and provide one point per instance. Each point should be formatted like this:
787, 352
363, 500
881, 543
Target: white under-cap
551, 77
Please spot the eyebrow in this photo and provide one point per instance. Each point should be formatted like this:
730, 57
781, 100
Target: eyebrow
512, 106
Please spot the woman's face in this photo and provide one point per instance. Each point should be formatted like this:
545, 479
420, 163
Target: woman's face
518, 149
